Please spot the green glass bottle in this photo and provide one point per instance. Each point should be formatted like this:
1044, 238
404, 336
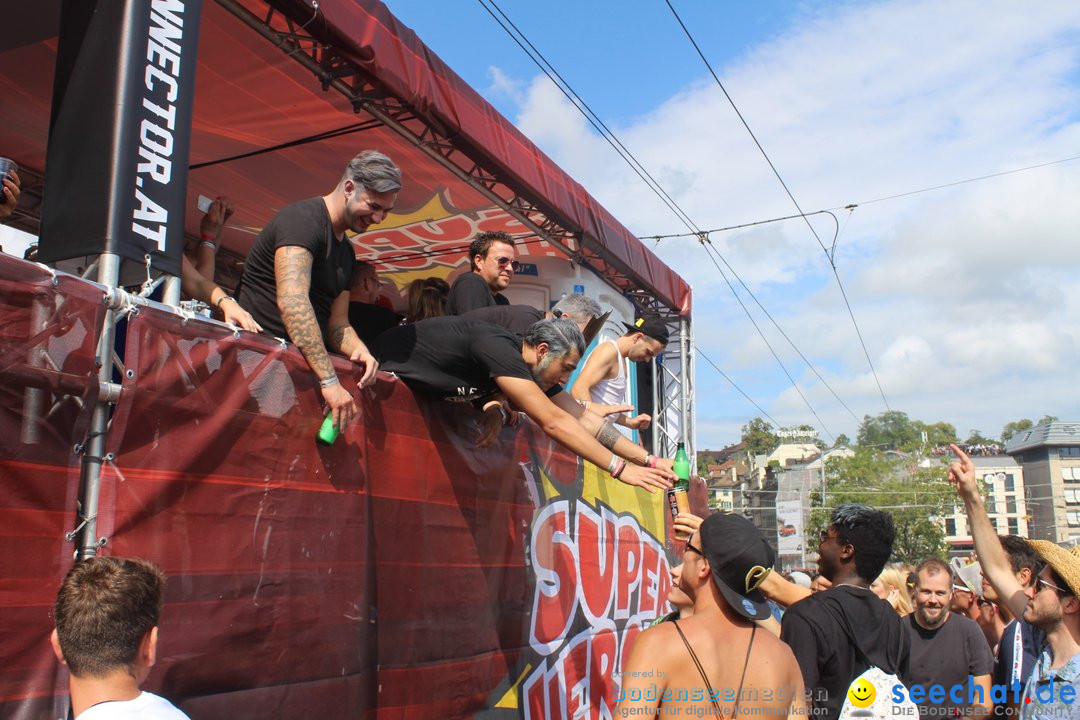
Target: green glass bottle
681, 468
678, 496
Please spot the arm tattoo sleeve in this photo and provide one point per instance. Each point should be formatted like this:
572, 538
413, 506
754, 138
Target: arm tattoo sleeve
292, 270
343, 339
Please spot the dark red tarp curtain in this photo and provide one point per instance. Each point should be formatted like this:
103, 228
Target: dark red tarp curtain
400, 573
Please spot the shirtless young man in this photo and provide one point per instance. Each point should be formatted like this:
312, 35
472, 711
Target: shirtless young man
677, 668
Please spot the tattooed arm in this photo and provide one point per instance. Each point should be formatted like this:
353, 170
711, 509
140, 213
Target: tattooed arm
292, 271
343, 339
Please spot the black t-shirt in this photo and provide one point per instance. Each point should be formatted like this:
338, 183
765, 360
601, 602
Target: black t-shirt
470, 292
946, 656
305, 224
828, 661
370, 320
515, 318
451, 357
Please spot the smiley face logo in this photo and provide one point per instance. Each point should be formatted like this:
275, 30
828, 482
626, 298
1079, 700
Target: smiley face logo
861, 694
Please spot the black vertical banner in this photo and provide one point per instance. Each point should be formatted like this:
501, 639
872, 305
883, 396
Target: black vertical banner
120, 131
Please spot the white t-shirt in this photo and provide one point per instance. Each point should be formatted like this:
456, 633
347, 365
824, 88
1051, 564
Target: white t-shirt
147, 706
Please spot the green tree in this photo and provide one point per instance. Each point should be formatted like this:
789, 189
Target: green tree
915, 497
977, 438
938, 434
890, 430
1014, 427
1047, 419
759, 437
842, 440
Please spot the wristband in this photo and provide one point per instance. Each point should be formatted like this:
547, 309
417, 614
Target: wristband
329, 382
611, 465
210, 244
207, 237
650, 460
620, 466
225, 297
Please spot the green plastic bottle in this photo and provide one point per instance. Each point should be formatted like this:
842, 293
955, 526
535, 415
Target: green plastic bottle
327, 432
678, 496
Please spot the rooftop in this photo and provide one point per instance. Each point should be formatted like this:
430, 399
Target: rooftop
1049, 434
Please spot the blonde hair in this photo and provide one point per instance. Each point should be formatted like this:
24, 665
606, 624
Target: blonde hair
893, 578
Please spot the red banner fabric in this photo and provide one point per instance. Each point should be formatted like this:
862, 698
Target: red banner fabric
399, 573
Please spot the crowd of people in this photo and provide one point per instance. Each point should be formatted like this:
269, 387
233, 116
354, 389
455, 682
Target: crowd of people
462, 343
868, 639
989, 449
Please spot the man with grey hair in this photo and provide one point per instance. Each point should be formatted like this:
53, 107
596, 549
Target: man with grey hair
296, 279
589, 317
582, 309
462, 359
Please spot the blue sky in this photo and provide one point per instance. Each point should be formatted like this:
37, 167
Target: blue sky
968, 298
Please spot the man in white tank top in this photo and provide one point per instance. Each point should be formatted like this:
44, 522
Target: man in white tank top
603, 379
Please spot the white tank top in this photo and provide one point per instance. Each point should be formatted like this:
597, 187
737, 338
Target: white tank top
612, 391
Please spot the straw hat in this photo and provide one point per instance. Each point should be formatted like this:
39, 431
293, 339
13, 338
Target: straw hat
1065, 563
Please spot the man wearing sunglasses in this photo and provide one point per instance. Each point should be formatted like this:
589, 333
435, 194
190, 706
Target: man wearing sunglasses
492, 262
1014, 642
1051, 606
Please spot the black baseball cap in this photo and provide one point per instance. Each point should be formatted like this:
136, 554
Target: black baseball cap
740, 559
652, 327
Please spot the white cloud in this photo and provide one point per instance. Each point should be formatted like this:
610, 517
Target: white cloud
967, 297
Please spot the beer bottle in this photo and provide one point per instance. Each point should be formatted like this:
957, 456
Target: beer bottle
678, 498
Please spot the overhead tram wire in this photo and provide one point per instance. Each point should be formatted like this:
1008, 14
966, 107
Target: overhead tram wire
703, 238
710, 248
734, 385
548, 69
853, 206
776, 172
795, 385
576, 100
958, 182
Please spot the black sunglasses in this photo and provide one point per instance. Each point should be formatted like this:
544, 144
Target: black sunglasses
504, 261
691, 547
1041, 583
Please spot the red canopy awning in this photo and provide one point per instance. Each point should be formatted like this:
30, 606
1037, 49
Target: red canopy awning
266, 134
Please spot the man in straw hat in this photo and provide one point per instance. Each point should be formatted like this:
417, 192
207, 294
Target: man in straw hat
717, 661
1050, 606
